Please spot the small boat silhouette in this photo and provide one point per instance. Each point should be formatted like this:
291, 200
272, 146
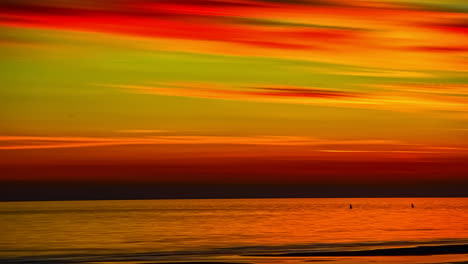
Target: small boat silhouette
412, 205
350, 206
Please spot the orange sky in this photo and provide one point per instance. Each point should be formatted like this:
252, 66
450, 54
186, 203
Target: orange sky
234, 91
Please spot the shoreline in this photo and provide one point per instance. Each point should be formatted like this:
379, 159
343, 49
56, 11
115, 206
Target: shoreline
412, 251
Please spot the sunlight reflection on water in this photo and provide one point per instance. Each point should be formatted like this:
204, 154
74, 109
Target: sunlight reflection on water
225, 227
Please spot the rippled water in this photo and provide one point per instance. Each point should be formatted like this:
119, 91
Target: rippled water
229, 230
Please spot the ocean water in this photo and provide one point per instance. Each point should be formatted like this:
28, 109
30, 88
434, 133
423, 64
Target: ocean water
375, 230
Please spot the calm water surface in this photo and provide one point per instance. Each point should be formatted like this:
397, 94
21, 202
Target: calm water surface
229, 230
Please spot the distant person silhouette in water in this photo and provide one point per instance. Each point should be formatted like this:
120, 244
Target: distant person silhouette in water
350, 206
412, 205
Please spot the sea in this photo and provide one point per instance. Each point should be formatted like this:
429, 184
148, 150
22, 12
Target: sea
220, 231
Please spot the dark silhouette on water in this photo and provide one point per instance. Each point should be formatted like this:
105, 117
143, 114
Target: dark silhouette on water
412, 251
412, 205
350, 206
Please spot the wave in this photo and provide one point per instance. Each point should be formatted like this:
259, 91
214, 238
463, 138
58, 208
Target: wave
200, 256
411, 251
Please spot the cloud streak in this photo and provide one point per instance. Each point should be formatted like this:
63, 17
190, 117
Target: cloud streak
38, 142
398, 98
308, 145
332, 31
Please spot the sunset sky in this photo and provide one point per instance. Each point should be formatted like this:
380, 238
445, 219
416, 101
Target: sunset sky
235, 91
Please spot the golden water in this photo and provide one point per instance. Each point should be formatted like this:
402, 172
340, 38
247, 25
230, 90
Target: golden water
228, 229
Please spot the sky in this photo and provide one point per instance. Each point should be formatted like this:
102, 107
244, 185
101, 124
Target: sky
235, 91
